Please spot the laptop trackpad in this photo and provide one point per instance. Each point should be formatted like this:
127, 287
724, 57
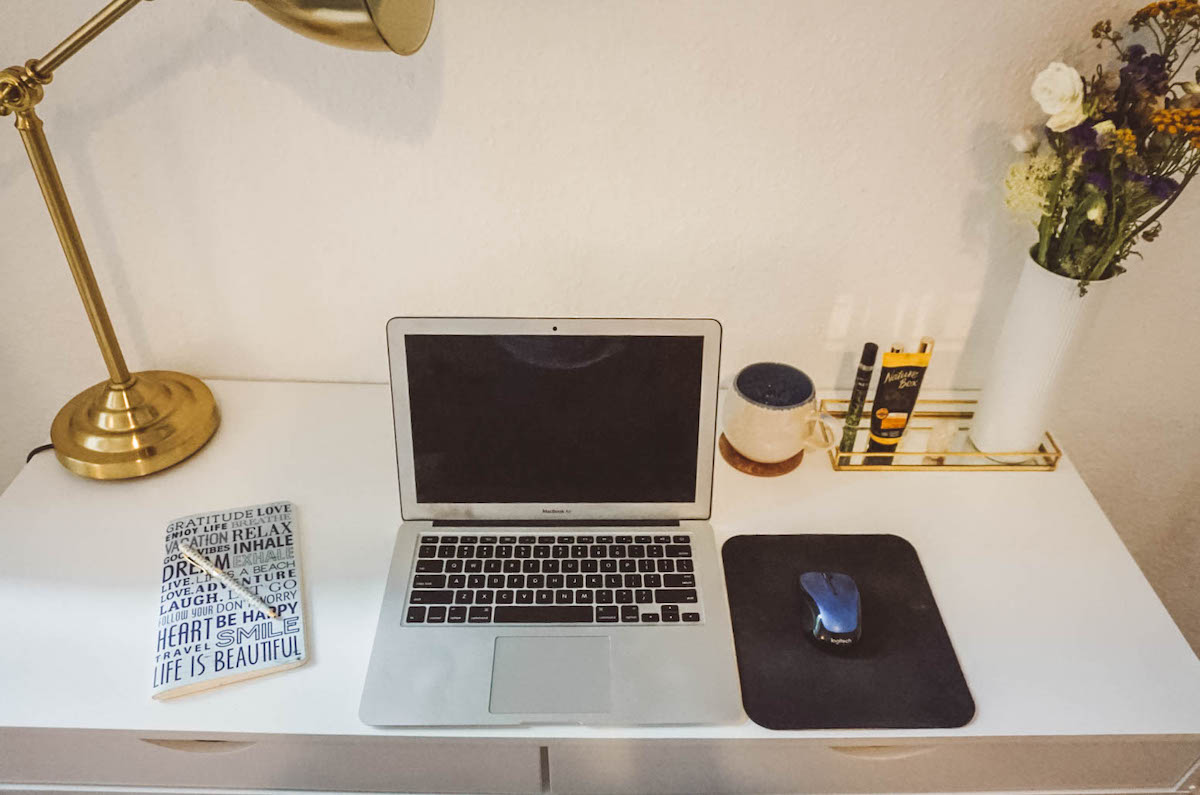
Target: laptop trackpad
551, 675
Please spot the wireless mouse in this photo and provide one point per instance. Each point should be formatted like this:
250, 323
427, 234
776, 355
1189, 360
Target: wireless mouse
833, 613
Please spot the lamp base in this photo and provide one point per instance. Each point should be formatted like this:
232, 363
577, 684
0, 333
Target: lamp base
113, 431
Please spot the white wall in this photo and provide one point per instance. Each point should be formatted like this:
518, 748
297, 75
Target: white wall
813, 174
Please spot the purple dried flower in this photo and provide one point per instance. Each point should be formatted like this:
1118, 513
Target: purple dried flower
1099, 181
1084, 135
1163, 188
1147, 74
1139, 179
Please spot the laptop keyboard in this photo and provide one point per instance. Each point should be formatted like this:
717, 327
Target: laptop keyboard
553, 579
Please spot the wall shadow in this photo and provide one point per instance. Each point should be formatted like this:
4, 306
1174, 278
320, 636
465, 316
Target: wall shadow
984, 219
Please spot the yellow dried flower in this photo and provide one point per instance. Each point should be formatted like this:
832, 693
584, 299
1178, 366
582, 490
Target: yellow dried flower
1125, 142
1178, 121
1168, 9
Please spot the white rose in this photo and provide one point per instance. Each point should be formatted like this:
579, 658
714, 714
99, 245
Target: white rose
1059, 90
1105, 131
1025, 141
1191, 88
1069, 118
1059, 87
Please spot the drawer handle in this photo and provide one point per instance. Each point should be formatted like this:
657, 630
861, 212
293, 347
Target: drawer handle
882, 751
201, 746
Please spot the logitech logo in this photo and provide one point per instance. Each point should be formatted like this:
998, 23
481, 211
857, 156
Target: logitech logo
840, 640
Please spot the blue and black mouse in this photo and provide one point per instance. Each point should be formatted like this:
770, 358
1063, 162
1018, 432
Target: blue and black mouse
833, 611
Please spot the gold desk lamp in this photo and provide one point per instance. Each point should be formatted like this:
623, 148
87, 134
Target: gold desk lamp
138, 423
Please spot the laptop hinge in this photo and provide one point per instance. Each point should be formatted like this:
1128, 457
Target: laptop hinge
555, 523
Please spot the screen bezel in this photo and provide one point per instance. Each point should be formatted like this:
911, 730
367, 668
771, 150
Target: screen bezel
700, 508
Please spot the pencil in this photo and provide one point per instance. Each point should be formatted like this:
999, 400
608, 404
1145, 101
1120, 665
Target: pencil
193, 556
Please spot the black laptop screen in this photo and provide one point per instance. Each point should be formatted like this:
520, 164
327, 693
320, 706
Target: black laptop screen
554, 419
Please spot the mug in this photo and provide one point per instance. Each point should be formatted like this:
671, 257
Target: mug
771, 414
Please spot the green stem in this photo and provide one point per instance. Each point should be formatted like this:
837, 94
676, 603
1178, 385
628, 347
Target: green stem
1172, 158
1074, 219
1155, 216
1105, 258
1050, 218
1110, 227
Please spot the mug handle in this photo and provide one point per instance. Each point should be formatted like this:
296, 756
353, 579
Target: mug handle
822, 432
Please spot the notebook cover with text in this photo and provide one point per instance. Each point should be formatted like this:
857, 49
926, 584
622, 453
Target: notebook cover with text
206, 635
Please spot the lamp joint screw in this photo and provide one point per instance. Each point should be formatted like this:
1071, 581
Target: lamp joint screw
21, 88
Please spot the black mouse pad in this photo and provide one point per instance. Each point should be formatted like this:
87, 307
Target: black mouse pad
902, 674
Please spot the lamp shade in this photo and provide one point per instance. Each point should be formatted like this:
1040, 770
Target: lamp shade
397, 25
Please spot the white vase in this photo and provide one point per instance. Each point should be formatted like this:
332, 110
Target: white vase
1041, 328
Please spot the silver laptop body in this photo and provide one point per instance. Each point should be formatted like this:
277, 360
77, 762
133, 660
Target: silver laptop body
555, 564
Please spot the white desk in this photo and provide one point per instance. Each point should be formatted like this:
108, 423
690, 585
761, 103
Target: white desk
1081, 679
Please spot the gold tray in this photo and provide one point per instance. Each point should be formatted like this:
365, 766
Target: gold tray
912, 455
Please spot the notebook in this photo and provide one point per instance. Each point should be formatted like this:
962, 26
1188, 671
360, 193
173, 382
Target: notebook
206, 635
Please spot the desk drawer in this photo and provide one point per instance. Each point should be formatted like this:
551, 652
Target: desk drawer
847, 768
364, 764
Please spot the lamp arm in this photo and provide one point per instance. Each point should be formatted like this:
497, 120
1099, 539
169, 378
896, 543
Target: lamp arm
21, 89
49, 62
41, 70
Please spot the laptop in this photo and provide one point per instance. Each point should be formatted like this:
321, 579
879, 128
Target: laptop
555, 563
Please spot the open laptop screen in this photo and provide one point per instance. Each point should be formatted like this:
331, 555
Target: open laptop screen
510, 418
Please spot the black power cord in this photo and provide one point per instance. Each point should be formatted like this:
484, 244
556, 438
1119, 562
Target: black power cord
43, 448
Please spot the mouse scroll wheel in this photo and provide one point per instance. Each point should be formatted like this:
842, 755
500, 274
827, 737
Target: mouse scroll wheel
829, 582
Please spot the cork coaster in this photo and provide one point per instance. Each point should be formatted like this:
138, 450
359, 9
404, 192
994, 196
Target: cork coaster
756, 468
